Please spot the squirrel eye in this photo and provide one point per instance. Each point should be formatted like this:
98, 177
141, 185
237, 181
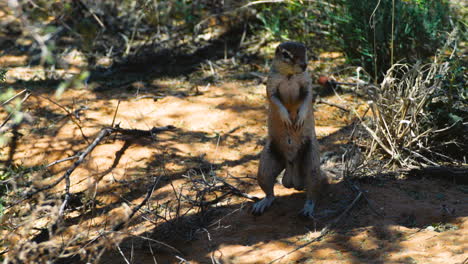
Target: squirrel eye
286, 55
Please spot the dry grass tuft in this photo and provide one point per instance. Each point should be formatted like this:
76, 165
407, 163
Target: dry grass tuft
401, 127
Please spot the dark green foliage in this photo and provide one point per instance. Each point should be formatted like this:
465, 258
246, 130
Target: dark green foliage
363, 30
303, 21
448, 110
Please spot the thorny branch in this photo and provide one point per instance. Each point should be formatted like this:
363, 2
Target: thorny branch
102, 134
14, 96
70, 114
11, 114
149, 192
321, 101
203, 186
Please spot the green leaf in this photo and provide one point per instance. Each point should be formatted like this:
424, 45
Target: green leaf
455, 118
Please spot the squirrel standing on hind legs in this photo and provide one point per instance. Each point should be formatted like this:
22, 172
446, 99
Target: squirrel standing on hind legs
291, 144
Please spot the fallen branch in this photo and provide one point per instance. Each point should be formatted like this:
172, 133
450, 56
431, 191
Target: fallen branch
102, 134
149, 192
263, 2
62, 160
11, 114
15, 96
69, 113
203, 186
238, 192
359, 190
3, 252
142, 133
321, 101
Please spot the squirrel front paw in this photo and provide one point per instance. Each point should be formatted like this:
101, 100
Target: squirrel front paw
284, 115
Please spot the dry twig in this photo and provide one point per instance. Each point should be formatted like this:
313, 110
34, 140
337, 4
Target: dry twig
321, 101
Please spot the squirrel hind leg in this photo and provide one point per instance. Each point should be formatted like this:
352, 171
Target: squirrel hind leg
271, 164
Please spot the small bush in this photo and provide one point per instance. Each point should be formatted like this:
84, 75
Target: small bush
302, 21
364, 33
419, 112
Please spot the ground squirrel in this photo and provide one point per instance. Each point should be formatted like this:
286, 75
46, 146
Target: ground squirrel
291, 142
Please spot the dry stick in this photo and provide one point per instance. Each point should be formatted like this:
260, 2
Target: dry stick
104, 132
62, 160
321, 101
133, 132
152, 253
11, 114
93, 14
325, 230
422, 157
377, 139
238, 192
388, 136
263, 2
142, 133
14, 96
374, 136
149, 192
4, 251
354, 186
122, 254
70, 114
158, 242
154, 97
115, 113
359, 190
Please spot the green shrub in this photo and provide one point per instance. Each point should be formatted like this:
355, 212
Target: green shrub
303, 21
363, 30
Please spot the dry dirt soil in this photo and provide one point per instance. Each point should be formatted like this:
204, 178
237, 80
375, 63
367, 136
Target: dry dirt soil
220, 132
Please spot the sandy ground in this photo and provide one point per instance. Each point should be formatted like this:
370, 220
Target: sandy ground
220, 132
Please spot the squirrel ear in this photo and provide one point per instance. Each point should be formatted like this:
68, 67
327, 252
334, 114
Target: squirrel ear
278, 51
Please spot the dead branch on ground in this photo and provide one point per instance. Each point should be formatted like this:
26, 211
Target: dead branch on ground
26, 96
14, 96
149, 192
210, 185
321, 101
54, 210
101, 135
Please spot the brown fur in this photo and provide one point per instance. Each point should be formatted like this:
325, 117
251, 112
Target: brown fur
291, 142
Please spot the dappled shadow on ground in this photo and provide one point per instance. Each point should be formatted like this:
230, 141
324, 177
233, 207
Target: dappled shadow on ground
409, 230
219, 133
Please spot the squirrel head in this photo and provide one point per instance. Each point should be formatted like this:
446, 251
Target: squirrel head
290, 58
